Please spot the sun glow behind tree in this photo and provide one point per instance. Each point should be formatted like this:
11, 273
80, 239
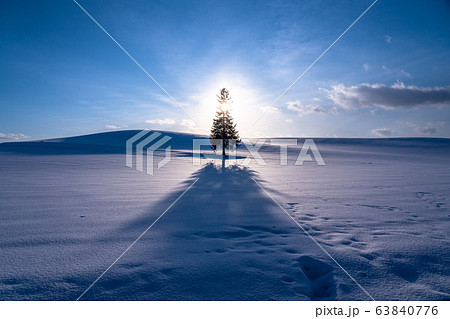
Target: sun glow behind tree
248, 103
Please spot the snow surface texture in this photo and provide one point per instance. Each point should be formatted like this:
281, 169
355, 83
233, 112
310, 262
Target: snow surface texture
69, 207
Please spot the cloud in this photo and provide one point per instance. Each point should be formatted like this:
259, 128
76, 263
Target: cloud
289, 120
382, 132
388, 39
112, 127
366, 66
189, 126
187, 123
301, 109
13, 137
400, 73
427, 130
161, 122
405, 73
334, 110
269, 109
388, 97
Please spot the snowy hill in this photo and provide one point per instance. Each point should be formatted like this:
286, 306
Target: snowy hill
106, 142
114, 142
70, 207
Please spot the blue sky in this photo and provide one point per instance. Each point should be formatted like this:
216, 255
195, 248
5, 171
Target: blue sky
61, 75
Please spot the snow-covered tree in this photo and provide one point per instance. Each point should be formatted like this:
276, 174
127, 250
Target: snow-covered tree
223, 127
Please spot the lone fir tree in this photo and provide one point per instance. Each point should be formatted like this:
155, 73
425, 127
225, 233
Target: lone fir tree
223, 127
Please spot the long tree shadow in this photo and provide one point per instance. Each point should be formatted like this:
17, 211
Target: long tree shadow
219, 191
223, 240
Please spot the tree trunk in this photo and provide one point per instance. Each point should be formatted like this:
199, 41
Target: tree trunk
223, 147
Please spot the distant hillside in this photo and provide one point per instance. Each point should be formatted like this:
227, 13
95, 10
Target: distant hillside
114, 143
105, 142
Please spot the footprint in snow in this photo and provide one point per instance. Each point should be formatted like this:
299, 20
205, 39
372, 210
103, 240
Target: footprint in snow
320, 275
